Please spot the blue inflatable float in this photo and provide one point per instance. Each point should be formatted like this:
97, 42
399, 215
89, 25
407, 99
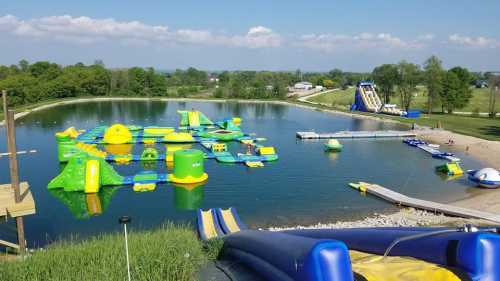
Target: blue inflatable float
465, 253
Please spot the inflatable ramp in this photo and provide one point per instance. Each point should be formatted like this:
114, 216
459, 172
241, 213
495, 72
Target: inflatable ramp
366, 99
194, 119
216, 223
451, 169
208, 224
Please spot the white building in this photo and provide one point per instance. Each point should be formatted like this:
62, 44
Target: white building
303, 86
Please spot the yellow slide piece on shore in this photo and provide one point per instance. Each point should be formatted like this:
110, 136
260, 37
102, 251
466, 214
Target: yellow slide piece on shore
194, 118
393, 268
229, 220
92, 177
208, 224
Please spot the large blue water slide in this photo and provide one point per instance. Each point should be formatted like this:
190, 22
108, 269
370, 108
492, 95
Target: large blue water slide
476, 253
280, 256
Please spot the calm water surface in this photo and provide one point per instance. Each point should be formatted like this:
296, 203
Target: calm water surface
306, 185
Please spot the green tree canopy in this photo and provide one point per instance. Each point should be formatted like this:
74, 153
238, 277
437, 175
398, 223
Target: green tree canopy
433, 78
408, 77
386, 78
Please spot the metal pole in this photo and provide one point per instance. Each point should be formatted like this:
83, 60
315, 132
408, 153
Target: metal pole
126, 250
124, 220
14, 173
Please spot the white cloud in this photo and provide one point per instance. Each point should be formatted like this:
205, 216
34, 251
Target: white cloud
86, 30
258, 37
362, 41
477, 42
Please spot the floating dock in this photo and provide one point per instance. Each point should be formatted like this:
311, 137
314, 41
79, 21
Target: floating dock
403, 200
8, 205
356, 134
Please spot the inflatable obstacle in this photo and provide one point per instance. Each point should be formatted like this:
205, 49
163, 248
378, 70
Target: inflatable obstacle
390, 253
87, 174
193, 119
333, 145
486, 177
366, 99
216, 223
450, 169
208, 224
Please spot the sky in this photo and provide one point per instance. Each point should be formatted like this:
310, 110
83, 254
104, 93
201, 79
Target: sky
314, 35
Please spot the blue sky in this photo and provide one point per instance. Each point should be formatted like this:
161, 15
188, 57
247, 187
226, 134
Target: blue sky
311, 35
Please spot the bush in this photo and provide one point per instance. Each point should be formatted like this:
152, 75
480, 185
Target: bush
219, 93
168, 253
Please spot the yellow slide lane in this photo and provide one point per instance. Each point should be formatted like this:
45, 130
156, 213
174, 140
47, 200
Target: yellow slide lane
230, 220
194, 118
208, 224
92, 177
393, 268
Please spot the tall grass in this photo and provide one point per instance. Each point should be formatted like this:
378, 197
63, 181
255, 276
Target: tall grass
168, 253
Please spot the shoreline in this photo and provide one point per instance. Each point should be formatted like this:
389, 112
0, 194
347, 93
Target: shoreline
476, 148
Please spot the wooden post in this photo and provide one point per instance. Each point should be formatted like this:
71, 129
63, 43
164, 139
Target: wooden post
14, 173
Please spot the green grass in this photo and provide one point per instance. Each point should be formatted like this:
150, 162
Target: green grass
344, 98
481, 127
168, 253
338, 99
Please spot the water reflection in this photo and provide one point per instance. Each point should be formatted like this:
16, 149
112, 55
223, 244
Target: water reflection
118, 149
84, 206
188, 196
102, 112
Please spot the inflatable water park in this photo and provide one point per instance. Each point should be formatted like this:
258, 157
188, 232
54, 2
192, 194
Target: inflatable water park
389, 253
88, 155
366, 99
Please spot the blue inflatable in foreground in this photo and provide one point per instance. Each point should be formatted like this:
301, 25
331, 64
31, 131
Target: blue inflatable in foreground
465, 253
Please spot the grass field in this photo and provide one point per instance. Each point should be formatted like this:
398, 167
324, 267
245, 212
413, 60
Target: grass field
482, 127
344, 98
168, 253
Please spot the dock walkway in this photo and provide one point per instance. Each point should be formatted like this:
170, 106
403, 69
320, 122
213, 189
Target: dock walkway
356, 134
401, 199
8, 205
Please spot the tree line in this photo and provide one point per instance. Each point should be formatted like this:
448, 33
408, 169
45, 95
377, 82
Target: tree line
31, 83
449, 89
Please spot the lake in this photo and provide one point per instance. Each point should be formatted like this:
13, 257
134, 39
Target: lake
305, 186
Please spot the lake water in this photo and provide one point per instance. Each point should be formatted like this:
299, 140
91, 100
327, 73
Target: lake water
305, 186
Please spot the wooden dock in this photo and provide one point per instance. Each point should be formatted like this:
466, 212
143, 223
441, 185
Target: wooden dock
356, 134
403, 200
8, 205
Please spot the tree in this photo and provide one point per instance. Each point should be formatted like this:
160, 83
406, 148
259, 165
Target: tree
386, 77
327, 83
459, 97
408, 76
433, 78
494, 83
451, 91
23, 65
